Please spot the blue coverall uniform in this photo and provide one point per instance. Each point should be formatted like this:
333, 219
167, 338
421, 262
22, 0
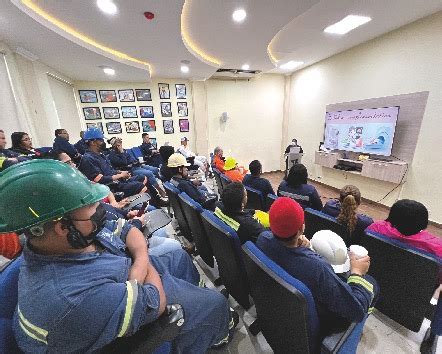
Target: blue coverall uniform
63, 145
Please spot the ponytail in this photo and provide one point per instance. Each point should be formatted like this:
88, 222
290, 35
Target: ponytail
348, 215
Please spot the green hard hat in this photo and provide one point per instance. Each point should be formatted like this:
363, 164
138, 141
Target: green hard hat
37, 191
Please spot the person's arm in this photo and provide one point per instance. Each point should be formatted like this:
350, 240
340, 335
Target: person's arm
269, 188
315, 200
93, 172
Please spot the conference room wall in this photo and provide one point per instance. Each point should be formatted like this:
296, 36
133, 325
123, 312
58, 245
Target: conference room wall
403, 61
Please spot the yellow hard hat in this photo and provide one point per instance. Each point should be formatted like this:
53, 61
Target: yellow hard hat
230, 164
177, 160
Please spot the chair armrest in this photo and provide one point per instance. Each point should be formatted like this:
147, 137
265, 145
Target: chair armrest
345, 341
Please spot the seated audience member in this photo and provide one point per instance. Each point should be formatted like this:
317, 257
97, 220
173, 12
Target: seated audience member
149, 151
77, 274
407, 222
218, 159
178, 166
253, 180
165, 152
200, 161
98, 169
295, 186
61, 144
232, 171
337, 302
122, 160
8, 157
231, 211
81, 145
345, 209
22, 144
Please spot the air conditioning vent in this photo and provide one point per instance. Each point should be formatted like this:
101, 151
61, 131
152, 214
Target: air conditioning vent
235, 74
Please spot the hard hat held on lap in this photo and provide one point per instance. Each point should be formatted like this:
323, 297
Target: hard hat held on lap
37, 191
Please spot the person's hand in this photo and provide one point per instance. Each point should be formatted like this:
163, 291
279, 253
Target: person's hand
359, 265
138, 271
122, 203
196, 182
303, 241
124, 174
132, 214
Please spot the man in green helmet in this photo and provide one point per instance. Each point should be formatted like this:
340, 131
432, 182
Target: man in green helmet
81, 286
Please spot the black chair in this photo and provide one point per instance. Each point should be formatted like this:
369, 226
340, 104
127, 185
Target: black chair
407, 278
217, 174
172, 192
255, 199
192, 211
270, 198
225, 180
227, 251
286, 310
316, 221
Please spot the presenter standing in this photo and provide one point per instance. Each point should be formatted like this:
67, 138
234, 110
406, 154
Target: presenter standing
293, 144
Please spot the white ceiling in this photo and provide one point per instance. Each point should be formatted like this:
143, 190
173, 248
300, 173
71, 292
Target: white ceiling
294, 29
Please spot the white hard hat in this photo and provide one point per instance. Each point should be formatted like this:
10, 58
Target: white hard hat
332, 247
177, 160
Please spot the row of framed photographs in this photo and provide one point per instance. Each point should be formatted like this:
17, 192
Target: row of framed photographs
147, 126
91, 113
129, 95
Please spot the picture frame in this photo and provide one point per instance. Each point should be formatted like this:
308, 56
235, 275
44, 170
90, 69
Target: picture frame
182, 109
184, 125
148, 126
153, 141
146, 112
164, 91
98, 125
168, 126
143, 94
91, 113
132, 126
126, 95
113, 128
88, 96
108, 96
180, 91
166, 109
111, 112
129, 112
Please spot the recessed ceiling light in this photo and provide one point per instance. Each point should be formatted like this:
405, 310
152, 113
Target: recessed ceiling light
107, 6
291, 65
108, 71
245, 67
239, 15
184, 69
347, 24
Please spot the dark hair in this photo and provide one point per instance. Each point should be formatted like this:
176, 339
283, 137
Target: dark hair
297, 175
1, 131
232, 196
255, 167
350, 198
165, 152
59, 131
408, 216
144, 134
16, 139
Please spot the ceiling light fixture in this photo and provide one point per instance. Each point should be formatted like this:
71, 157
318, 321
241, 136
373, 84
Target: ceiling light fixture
107, 6
184, 69
239, 15
245, 67
291, 65
108, 71
347, 24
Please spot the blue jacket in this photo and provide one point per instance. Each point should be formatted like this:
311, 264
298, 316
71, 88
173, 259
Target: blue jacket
6, 155
306, 195
81, 146
146, 149
333, 208
63, 145
96, 167
121, 160
199, 195
259, 183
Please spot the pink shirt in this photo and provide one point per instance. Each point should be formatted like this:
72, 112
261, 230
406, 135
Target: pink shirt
422, 240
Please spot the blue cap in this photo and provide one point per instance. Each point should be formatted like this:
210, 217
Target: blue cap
93, 133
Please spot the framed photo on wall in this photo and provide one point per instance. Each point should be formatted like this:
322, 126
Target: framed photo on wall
182, 109
153, 141
91, 113
164, 91
95, 125
146, 112
166, 109
143, 95
129, 112
168, 126
88, 96
132, 127
111, 113
108, 96
126, 95
148, 126
180, 90
184, 125
114, 128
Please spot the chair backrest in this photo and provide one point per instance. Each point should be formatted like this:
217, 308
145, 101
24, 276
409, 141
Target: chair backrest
316, 221
407, 278
192, 211
136, 152
172, 192
227, 251
270, 198
225, 180
217, 174
285, 307
255, 199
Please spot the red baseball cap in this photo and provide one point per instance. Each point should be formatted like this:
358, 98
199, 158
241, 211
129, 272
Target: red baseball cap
286, 217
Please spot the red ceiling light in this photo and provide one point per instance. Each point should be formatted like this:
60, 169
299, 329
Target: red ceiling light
149, 15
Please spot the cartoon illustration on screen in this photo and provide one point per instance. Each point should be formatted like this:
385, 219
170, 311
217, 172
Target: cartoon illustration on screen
332, 138
380, 139
354, 139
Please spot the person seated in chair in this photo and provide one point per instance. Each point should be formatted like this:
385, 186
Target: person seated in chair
81, 145
165, 152
150, 153
97, 168
61, 144
232, 171
218, 159
200, 161
194, 189
253, 180
8, 157
231, 211
22, 145
295, 186
337, 302
76, 274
